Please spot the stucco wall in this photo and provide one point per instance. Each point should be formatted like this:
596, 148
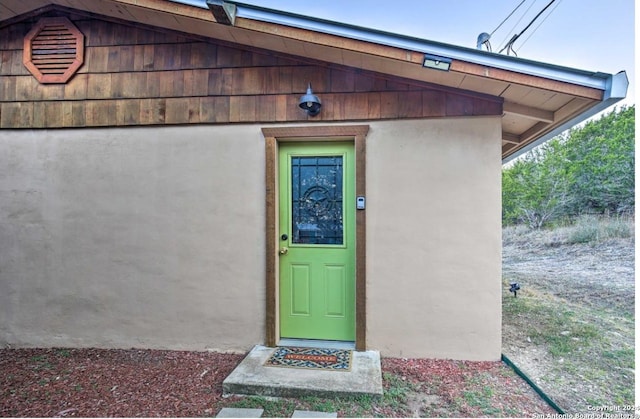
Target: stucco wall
154, 237
139, 237
434, 238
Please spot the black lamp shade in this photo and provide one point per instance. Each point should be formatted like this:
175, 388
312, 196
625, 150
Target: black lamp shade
310, 102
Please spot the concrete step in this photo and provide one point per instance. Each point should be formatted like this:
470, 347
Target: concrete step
239, 412
252, 377
313, 414
242, 412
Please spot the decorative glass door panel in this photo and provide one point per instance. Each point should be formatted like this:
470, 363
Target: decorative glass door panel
317, 240
316, 190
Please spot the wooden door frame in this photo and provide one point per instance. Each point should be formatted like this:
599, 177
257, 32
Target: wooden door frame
273, 136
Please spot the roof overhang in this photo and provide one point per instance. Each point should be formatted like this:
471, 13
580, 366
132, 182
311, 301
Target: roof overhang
540, 100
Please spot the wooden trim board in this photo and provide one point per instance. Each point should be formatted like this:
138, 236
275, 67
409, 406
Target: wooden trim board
355, 133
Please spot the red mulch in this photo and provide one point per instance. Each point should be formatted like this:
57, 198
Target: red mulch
158, 383
100, 383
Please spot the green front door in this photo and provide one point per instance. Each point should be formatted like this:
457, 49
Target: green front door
317, 241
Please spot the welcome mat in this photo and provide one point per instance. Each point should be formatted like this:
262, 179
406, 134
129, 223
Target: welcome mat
310, 358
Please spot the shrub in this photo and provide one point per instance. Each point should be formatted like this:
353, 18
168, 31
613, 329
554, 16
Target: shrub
585, 230
617, 227
590, 228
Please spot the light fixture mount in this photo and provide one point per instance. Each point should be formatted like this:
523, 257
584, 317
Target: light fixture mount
310, 103
436, 62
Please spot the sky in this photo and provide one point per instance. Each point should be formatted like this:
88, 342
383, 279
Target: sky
594, 35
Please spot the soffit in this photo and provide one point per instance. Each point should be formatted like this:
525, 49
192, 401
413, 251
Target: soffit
534, 106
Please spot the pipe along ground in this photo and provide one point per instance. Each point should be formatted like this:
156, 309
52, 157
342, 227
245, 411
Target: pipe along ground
533, 385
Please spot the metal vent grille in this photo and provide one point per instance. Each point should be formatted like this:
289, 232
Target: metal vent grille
53, 50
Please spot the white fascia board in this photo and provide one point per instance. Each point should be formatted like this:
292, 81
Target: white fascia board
616, 90
594, 80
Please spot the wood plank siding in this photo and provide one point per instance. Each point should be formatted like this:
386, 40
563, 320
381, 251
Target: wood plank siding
136, 75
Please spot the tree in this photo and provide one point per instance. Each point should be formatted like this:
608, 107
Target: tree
589, 169
602, 163
536, 187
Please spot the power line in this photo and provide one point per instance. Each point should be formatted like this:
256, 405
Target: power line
540, 24
509, 45
483, 38
518, 22
506, 18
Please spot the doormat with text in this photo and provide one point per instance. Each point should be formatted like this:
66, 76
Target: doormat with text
311, 358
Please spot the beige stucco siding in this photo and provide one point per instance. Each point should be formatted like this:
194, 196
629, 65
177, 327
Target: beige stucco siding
154, 237
434, 238
143, 237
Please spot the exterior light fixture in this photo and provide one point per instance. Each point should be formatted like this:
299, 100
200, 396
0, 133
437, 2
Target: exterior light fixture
310, 103
514, 287
436, 62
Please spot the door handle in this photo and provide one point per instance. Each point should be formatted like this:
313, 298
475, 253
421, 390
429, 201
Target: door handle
283, 250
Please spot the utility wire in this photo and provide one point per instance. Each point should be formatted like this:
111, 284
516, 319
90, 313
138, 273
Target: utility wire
509, 45
484, 38
506, 18
540, 24
518, 22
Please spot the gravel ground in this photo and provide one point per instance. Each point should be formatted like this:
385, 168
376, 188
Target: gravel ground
151, 383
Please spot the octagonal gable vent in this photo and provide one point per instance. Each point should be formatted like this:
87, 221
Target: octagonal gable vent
53, 50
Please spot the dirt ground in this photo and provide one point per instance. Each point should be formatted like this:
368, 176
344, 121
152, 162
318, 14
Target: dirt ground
595, 281
599, 274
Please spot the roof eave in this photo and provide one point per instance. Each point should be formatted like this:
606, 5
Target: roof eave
615, 91
613, 87
535, 68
